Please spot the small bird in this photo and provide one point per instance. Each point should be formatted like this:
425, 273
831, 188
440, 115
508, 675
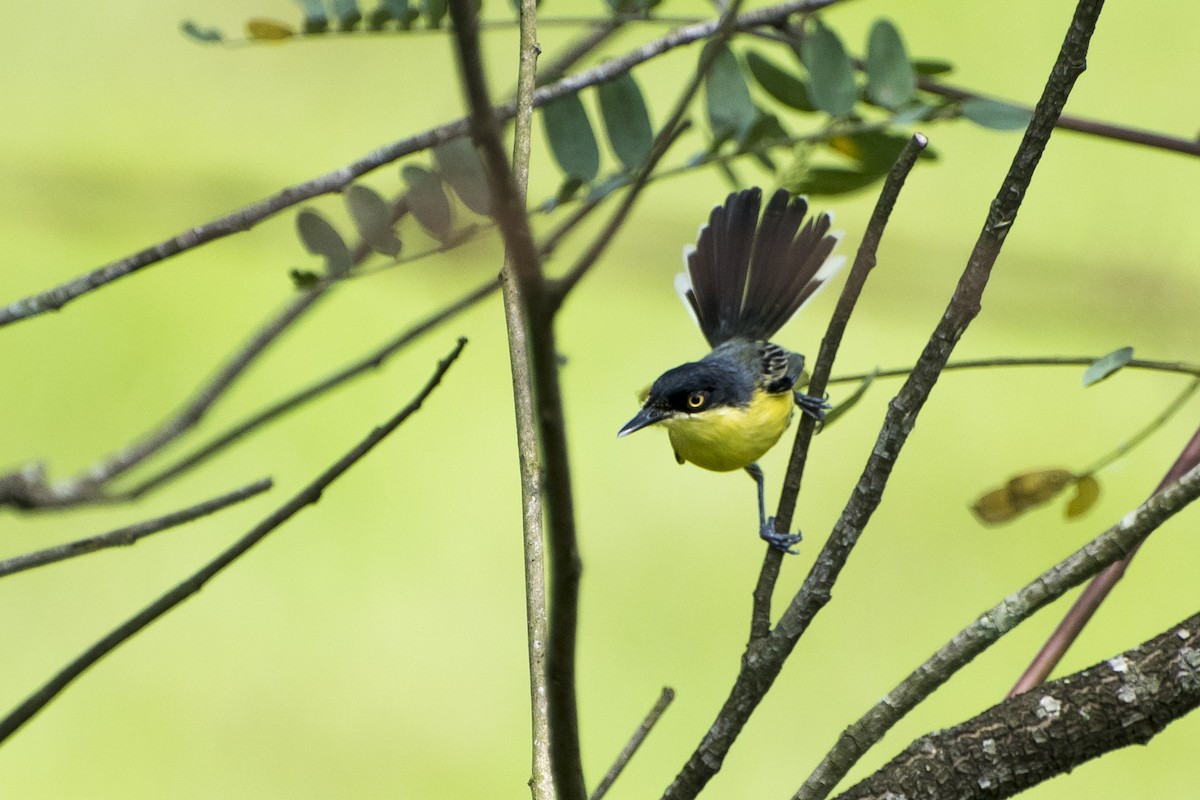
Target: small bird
743, 281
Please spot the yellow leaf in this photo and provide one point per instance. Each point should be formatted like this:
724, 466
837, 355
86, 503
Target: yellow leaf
1035, 488
1087, 492
846, 146
268, 29
995, 507
1022, 492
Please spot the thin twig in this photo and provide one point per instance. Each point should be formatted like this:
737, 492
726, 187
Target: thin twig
1107, 548
765, 657
1181, 367
635, 741
130, 534
308, 495
1089, 601
30, 489
1105, 130
373, 360
864, 262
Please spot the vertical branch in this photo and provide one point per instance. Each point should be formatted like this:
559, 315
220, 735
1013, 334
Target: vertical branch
537, 318
765, 657
864, 262
541, 781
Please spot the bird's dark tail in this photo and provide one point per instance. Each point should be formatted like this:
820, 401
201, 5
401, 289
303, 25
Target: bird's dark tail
745, 278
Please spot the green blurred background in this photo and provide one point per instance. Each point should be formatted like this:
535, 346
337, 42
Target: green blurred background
374, 647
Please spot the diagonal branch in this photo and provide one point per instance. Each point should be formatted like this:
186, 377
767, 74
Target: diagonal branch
1087, 603
864, 262
765, 657
1111, 546
1125, 700
130, 534
308, 495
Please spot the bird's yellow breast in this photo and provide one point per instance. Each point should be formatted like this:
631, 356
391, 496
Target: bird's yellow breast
731, 437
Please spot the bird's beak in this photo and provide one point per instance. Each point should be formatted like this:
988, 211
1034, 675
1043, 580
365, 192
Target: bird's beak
647, 416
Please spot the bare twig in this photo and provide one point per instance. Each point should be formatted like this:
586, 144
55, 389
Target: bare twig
765, 657
1086, 605
130, 534
1104, 130
30, 490
1181, 367
864, 262
285, 405
635, 741
194, 583
1115, 543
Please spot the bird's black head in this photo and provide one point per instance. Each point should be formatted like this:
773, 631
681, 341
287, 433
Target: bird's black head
691, 389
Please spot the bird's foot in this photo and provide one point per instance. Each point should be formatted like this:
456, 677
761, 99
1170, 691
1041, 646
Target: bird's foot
780, 541
814, 407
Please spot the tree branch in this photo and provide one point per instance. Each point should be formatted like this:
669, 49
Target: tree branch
1087, 603
537, 319
1112, 545
864, 262
764, 658
1026, 740
247, 217
308, 495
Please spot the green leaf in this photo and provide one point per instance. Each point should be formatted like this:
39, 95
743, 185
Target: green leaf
322, 239
731, 112
891, 81
785, 87
372, 216
434, 12
914, 112
626, 120
833, 180
347, 13
1106, 365
932, 66
832, 72
207, 35
427, 200
850, 402
398, 10
604, 188
876, 149
997, 115
571, 139
315, 20
767, 131
459, 163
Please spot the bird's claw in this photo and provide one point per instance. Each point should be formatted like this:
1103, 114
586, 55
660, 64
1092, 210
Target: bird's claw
814, 407
779, 541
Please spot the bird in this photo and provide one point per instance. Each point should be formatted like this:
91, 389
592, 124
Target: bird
743, 280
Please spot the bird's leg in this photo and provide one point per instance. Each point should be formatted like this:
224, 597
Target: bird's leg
766, 525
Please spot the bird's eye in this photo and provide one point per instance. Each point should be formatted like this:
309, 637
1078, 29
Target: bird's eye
697, 399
